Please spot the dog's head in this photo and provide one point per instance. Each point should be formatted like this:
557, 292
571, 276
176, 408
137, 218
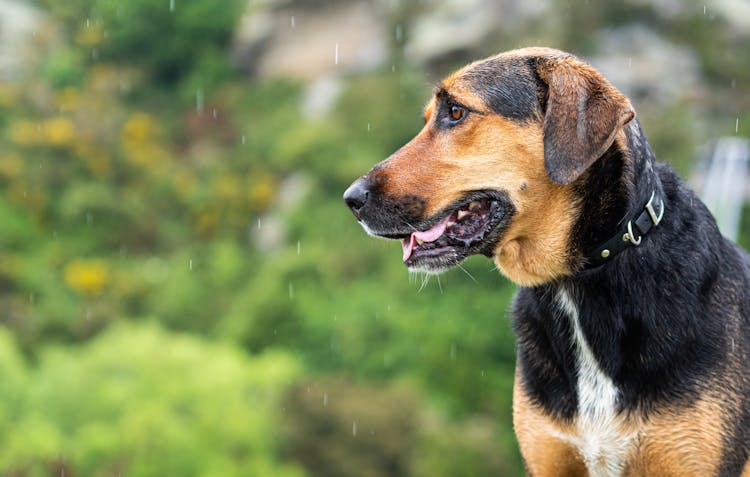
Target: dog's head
494, 169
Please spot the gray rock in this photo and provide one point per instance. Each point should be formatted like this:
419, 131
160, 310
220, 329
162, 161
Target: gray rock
456, 26
311, 40
645, 66
19, 22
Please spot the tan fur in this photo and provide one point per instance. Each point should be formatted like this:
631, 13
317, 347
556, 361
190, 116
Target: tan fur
672, 442
545, 455
491, 152
682, 442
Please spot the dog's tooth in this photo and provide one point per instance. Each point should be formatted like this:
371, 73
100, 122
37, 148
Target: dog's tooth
420, 241
474, 205
462, 213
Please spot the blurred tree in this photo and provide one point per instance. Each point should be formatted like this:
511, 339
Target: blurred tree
168, 39
138, 401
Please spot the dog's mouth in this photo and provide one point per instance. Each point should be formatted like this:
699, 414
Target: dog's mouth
472, 227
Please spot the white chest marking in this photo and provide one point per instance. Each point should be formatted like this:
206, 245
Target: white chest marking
601, 440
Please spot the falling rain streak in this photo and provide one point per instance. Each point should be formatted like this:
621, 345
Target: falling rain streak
199, 100
171, 5
336, 55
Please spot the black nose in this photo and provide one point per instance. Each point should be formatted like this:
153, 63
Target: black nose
356, 196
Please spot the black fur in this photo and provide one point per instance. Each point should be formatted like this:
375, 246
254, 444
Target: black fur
665, 320
507, 86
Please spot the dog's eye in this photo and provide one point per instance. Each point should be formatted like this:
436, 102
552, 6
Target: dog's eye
457, 113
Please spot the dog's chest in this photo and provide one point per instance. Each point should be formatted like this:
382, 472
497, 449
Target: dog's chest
600, 432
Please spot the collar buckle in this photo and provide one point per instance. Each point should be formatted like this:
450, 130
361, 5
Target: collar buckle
646, 220
652, 213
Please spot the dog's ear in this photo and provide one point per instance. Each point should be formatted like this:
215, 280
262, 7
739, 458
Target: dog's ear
583, 114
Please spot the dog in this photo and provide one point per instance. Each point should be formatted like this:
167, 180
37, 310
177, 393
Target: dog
632, 314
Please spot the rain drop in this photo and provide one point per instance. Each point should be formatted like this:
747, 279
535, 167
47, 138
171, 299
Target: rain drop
190, 264
737, 125
354, 428
291, 291
214, 113
292, 21
243, 139
336, 56
199, 100
399, 33
453, 351
299, 246
630, 62
258, 222
171, 5
325, 399
369, 127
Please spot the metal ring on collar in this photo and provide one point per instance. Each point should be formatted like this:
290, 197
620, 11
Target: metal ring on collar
630, 235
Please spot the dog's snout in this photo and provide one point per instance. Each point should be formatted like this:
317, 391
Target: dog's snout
356, 196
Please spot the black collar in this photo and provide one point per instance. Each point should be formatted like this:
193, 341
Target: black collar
633, 232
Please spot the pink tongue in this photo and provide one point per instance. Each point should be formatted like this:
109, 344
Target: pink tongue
429, 235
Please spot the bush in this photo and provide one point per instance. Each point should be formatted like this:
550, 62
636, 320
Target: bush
138, 401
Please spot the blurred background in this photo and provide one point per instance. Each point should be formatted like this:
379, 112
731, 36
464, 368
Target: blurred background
184, 293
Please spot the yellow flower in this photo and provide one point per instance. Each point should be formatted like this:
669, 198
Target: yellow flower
88, 277
59, 131
262, 192
138, 141
137, 130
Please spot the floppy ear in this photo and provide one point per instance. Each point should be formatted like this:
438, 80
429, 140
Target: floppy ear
583, 115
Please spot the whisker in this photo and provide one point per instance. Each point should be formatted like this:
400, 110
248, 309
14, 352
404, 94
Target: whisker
425, 281
467, 273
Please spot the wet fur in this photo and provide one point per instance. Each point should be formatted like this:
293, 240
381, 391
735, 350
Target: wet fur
664, 326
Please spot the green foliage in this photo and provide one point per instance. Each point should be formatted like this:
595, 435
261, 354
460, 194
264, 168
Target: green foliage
108, 410
155, 35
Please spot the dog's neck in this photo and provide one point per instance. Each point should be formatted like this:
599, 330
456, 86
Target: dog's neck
613, 192
643, 179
